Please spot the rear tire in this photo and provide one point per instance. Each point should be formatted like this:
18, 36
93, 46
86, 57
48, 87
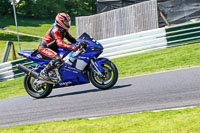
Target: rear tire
110, 76
42, 92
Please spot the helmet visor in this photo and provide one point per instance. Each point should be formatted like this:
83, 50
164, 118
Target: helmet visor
67, 23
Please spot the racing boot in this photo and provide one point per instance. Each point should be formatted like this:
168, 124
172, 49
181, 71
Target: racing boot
55, 63
44, 73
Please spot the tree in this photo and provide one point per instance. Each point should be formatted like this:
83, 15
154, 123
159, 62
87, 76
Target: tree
25, 8
80, 7
5, 8
49, 8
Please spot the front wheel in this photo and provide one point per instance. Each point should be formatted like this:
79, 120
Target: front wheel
37, 91
109, 78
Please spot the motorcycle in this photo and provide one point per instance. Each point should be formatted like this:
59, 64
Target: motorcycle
80, 67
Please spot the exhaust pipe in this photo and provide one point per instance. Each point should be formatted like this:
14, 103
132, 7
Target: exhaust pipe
28, 71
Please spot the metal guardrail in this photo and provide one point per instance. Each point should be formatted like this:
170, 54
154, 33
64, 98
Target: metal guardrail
160, 38
135, 43
9, 71
128, 45
183, 34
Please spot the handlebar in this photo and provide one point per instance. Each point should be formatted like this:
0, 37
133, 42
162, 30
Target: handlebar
81, 45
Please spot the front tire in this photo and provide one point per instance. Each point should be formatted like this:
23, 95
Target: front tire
110, 76
41, 92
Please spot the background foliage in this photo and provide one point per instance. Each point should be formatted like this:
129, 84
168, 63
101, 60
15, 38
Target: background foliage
43, 9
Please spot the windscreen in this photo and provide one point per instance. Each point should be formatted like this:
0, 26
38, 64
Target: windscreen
85, 36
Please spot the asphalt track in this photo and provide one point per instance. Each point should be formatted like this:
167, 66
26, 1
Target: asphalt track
164, 90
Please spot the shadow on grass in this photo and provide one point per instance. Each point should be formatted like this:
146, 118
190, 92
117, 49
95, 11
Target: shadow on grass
89, 91
13, 37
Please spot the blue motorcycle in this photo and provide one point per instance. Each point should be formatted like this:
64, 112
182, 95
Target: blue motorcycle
80, 67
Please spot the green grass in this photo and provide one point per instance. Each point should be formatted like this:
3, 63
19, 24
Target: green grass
24, 46
40, 30
177, 121
5, 36
26, 43
180, 121
15, 87
30, 26
166, 59
12, 88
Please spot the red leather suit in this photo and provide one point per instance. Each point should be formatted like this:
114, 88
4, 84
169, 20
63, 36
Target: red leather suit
54, 39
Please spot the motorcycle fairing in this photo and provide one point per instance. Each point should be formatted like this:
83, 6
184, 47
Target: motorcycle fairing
29, 54
70, 74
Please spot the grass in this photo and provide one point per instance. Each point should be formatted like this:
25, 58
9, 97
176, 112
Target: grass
176, 121
24, 46
5, 36
154, 61
12, 88
165, 59
30, 26
40, 30
26, 42
35, 27
15, 87
179, 121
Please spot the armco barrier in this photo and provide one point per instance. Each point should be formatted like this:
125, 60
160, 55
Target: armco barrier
134, 43
128, 45
183, 34
9, 71
160, 38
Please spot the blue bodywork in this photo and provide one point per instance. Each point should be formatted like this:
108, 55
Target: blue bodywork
70, 74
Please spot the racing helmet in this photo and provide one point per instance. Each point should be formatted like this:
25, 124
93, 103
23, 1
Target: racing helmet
63, 20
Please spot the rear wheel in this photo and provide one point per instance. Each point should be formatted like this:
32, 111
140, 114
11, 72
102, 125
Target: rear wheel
41, 91
109, 78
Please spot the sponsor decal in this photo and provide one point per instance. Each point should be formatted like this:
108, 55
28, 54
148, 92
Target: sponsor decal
39, 56
72, 71
80, 57
65, 83
47, 52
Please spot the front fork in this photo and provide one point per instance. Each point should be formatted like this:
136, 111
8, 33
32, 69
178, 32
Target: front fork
96, 65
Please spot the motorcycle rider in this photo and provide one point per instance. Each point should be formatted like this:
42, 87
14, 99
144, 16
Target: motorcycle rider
54, 39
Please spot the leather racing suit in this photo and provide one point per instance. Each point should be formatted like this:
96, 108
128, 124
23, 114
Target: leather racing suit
49, 44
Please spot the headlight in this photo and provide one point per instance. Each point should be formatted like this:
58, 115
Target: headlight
95, 48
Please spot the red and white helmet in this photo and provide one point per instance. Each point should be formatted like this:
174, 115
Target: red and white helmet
63, 20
